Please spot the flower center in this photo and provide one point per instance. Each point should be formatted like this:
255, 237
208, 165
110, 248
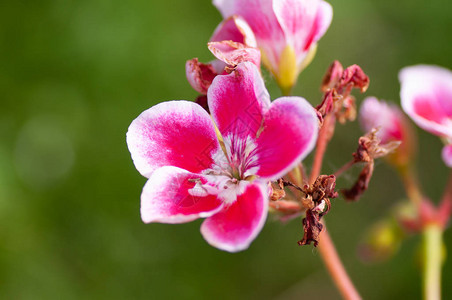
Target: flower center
233, 168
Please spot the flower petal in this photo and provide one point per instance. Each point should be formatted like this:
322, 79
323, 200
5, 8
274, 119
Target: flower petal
447, 155
236, 226
234, 29
233, 53
304, 22
387, 117
238, 101
261, 18
173, 133
199, 75
289, 133
171, 195
426, 93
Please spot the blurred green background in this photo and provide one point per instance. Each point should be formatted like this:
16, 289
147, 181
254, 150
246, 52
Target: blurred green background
74, 74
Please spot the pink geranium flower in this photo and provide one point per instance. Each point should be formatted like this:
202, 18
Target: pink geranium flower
392, 125
217, 167
286, 31
426, 94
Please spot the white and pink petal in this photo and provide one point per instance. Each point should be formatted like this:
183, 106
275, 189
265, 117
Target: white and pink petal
234, 28
289, 133
260, 16
387, 117
304, 22
234, 227
173, 195
238, 101
173, 133
426, 94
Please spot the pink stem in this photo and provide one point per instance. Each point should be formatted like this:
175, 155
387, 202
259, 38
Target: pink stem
336, 268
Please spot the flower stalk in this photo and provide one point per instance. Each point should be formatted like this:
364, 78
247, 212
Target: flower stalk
432, 246
336, 268
326, 246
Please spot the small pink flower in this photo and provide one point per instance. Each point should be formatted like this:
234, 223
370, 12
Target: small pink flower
196, 172
392, 125
286, 31
426, 94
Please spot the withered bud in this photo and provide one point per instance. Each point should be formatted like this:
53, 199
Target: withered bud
326, 184
361, 185
277, 194
356, 77
317, 204
369, 147
333, 76
327, 104
312, 228
346, 110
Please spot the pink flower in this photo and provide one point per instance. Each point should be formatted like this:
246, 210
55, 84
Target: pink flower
392, 125
286, 31
219, 170
426, 94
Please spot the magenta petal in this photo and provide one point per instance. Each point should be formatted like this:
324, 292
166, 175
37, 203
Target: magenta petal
236, 226
426, 94
234, 29
233, 53
289, 133
171, 195
261, 18
238, 101
199, 75
304, 22
447, 155
173, 133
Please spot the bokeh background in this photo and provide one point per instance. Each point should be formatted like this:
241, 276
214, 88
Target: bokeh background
74, 74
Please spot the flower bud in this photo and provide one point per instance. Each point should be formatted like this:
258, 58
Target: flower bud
381, 241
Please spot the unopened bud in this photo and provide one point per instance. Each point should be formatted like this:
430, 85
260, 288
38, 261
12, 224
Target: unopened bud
381, 241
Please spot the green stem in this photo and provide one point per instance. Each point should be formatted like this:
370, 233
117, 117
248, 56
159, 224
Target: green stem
432, 240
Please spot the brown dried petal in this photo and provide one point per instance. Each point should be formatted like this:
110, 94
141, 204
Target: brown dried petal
355, 76
333, 76
277, 194
327, 184
361, 185
327, 104
312, 228
347, 110
369, 147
